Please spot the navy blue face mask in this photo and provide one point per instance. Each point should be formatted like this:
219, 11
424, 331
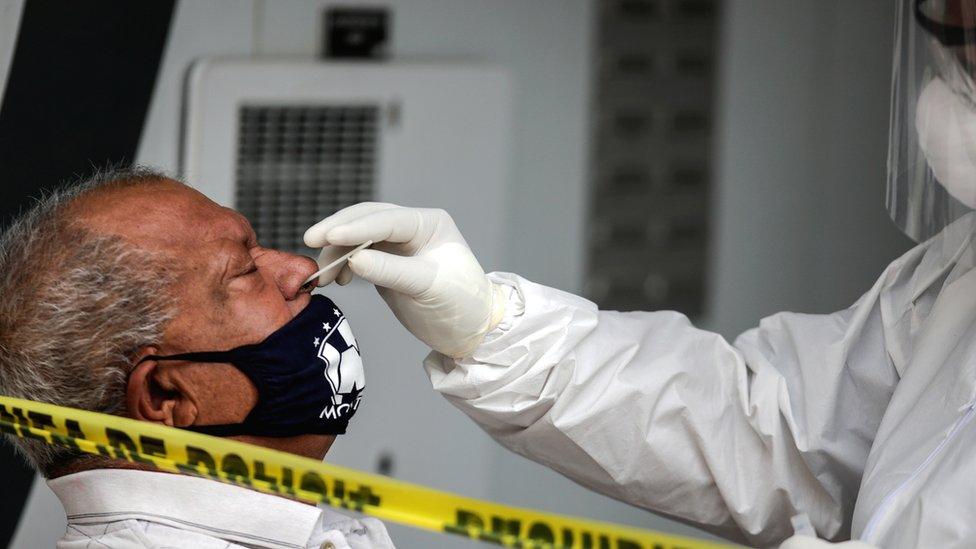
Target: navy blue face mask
309, 376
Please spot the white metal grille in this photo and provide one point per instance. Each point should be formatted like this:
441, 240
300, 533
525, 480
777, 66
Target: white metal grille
299, 163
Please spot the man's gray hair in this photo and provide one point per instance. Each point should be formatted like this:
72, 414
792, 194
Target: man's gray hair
75, 305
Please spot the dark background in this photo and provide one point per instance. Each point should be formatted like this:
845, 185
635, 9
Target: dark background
79, 86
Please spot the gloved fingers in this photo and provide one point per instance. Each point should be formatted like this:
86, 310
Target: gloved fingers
328, 255
345, 275
315, 236
410, 226
408, 275
389, 247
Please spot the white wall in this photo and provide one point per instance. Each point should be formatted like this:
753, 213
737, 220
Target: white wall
802, 142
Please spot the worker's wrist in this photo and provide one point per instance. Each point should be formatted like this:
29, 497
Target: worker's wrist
508, 306
499, 301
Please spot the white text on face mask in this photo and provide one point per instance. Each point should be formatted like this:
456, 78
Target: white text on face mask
337, 412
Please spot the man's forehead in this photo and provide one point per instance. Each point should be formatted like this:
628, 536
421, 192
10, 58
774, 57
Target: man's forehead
225, 223
161, 212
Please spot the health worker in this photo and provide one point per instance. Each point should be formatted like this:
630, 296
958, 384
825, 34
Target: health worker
858, 423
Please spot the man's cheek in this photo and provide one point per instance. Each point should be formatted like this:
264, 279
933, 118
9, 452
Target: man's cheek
255, 316
227, 395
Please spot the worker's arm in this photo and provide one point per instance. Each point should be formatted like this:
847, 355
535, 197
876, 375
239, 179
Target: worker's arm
648, 409
643, 407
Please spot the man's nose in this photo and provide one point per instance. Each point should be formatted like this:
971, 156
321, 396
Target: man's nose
290, 272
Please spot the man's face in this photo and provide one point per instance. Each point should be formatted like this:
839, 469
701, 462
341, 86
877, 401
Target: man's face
230, 292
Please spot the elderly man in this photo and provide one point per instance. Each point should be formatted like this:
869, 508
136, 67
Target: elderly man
111, 289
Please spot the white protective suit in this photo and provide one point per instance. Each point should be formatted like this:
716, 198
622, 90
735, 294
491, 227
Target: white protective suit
858, 419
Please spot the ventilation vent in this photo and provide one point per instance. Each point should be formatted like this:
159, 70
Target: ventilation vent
299, 163
648, 238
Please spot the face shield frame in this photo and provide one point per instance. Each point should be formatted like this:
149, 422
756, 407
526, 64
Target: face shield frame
931, 176
947, 34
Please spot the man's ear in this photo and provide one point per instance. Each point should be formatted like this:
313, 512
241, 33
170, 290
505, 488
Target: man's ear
152, 393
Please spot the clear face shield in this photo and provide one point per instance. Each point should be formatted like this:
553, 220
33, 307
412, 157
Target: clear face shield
932, 140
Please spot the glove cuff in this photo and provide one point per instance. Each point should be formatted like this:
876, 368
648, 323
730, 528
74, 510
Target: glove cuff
499, 299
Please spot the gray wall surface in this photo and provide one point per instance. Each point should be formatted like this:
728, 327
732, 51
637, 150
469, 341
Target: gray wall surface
803, 118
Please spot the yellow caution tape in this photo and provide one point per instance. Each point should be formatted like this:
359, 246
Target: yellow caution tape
280, 473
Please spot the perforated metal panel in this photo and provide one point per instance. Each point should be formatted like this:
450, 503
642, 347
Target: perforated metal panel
299, 163
648, 239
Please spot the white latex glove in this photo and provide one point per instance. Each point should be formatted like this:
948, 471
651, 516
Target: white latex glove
421, 266
807, 542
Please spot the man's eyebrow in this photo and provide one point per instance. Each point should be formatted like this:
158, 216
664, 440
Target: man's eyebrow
240, 262
229, 262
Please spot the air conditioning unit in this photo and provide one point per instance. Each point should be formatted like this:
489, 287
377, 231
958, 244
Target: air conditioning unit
288, 143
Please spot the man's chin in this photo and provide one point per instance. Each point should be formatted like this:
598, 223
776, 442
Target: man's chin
310, 446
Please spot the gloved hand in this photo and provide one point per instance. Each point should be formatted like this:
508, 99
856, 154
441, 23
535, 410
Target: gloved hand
421, 266
807, 542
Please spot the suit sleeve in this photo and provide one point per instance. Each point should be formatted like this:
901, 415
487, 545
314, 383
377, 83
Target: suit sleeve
648, 409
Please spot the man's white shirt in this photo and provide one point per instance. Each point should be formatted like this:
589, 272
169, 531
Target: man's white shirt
119, 508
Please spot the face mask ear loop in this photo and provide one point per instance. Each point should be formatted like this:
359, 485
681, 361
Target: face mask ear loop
200, 356
221, 430
246, 428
